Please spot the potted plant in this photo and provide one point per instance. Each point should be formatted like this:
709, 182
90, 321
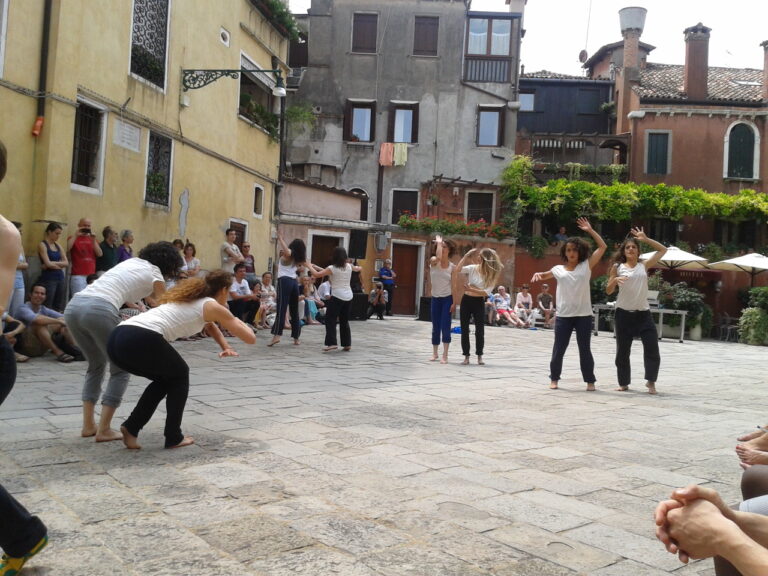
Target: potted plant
433, 200
680, 296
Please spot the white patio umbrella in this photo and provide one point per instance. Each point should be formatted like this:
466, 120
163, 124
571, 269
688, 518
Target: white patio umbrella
676, 258
753, 264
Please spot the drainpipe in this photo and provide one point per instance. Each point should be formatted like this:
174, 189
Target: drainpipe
42, 82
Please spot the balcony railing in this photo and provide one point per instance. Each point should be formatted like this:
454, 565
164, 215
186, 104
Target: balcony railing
487, 69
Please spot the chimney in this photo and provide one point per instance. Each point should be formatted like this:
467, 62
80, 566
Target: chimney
696, 62
765, 69
632, 21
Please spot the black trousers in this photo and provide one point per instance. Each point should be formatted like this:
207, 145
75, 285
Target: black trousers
244, 309
19, 530
630, 324
564, 326
146, 353
338, 310
472, 306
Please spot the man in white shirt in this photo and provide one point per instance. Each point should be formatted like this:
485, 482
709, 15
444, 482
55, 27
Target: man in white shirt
230, 253
243, 303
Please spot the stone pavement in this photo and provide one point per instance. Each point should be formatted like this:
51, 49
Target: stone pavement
377, 462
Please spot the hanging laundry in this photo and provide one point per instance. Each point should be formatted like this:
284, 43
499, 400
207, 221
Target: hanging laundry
401, 153
386, 154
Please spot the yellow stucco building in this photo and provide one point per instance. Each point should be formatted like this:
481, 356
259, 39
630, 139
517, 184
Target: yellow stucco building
97, 123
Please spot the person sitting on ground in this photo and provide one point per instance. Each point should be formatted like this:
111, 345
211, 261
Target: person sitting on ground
546, 306
312, 301
524, 306
12, 330
267, 298
753, 448
491, 315
501, 300
562, 235
324, 294
43, 323
377, 301
243, 303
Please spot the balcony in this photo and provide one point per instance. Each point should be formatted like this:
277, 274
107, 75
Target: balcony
487, 69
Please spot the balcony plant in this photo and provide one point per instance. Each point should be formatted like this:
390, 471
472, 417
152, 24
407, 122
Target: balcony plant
279, 15
431, 225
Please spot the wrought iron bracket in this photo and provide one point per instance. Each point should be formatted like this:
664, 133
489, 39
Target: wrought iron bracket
194, 79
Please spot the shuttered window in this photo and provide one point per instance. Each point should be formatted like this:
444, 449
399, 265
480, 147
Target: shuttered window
404, 202
658, 153
425, 36
741, 152
364, 33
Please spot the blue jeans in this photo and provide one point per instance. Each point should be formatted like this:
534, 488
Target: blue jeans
563, 328
440, 311
287, 301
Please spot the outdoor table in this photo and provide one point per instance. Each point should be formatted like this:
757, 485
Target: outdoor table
597, 308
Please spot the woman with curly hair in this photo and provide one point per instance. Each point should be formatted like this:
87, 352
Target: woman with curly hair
474, 278
574, 302
93, 314
441, 307
141, 346
290, 264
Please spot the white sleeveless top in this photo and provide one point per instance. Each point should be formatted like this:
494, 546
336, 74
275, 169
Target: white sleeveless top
340, 279
633, 294
286, 269
173, 320
440, 278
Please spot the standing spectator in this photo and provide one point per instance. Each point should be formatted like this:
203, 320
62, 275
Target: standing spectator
524, 306
109, 257
243, 303
441, 306
377, 301
190, 260
574, 303
17, 297
93, 313
54, 262
291, 261
44, 323
633, 314
475, 276
340, 272
230, 253
21, 534
387, 277
546, 305
83, 249
250, 269
125, 250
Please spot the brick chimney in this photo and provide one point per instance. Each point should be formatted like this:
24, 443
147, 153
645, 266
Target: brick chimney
696, 62
765, 69
632, 21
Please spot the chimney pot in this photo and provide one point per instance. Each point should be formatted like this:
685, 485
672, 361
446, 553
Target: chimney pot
696, 62
632, 18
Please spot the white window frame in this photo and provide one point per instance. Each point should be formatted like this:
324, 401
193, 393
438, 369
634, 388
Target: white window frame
167, 52
312, 232
669, 151
756, 152
99, 190
3, 32
493, 203
170, 175
259, 187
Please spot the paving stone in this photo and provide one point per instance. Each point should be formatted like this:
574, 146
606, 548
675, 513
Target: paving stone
414, 561
514, 508
312, 562
353, 535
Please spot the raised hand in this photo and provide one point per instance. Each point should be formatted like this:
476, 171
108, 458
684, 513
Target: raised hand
639, 233
583, 224
438, 239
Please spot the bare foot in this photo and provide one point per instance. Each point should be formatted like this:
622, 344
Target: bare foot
480, 361
330, 348
466, 361
88, 431
444, 359
750, 456
651, 387
750, 436
108, 435
275, 340
433, 358
131, 442
745, 466
591, 387
188, 441
622, 388
553, 385
758, 443
296, 342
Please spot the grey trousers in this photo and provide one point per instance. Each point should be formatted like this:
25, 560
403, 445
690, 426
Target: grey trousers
91, 321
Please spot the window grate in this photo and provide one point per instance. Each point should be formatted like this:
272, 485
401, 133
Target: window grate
87, 146
158, 170
149, 41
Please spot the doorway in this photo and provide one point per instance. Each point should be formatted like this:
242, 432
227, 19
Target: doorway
405, 263
322, 249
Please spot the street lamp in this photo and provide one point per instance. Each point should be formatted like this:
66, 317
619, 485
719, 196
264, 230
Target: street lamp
194, 79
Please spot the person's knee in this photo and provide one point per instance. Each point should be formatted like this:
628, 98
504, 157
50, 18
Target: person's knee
754, 482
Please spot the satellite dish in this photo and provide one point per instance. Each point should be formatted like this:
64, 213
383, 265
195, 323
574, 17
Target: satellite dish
583, 56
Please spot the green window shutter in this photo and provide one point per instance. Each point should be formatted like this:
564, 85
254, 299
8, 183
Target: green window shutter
741, 151
658, 149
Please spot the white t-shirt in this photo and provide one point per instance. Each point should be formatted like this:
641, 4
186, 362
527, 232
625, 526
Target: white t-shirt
288, 269
573, 297
227, 263
129, 281
633, 294
240, 288
340, 278
324, 290
475, 280
173, 320
440, 278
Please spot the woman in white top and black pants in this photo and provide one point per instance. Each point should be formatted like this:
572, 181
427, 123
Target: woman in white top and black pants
291, 262
633, 315
338, 307
574, 303
141, 346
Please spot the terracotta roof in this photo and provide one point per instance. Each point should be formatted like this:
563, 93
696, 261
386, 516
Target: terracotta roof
665, 82
611, 47
546, 74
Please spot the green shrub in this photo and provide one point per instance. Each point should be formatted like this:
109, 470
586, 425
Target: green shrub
753, 327
758, 298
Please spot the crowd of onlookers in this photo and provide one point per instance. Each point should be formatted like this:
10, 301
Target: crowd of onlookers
524, 312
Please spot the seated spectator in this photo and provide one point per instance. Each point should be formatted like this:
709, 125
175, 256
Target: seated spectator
312, 301
268, 300
12, 330
243, 303
44, 324
502, 300
561, 235
324, 294
524, 306
377, 301
491, 315
546, 306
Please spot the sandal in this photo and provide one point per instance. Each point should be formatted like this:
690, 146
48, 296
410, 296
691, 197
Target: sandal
64, 357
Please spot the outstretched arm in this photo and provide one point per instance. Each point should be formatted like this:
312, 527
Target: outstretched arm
538, 276
658, 246
585, 226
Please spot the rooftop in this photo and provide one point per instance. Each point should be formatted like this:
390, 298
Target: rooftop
665, 82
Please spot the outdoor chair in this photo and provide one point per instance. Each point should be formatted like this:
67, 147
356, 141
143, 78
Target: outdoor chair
728, 328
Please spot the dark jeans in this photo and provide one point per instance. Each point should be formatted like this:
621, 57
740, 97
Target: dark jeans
338, 310
287, 300
146, 353
55, 294
473, 306
390, 288
244, 309
440, 311
630, 324
563, 328
19, 530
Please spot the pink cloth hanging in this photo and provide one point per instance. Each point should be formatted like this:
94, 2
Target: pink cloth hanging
387, 154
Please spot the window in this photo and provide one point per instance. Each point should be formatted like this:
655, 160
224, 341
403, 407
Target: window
359, 123
3, 30
489, 37
256, 99
425, 35
404, 202
149, 40
258, 201
480, 206
527, 101
158, 186
657, 152
404, 122
364, 33
88, 147
490, 126
742, 151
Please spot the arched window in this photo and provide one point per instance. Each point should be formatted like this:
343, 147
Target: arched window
742, 151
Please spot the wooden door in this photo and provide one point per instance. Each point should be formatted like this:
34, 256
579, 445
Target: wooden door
322, 249
405, 264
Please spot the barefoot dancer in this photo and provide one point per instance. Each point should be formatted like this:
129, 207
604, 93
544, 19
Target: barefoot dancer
93, 313
442, 307
141, 346
292, 260
633, 315
574, 304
